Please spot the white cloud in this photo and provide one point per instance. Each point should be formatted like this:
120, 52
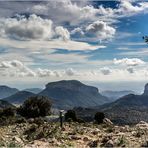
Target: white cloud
53, 44
130, 69
105, 70
127, 8
101, 29
70, 72
63, 33
129, 62
16, 68
33, 27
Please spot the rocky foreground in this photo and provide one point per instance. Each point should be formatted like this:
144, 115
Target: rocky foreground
72, 134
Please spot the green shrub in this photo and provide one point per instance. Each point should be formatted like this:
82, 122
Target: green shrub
7, 112
36, 106
70, 115
99, 116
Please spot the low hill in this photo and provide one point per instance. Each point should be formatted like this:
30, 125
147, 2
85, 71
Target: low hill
6, 91
33, 90
19, 97
114, 95
5, 104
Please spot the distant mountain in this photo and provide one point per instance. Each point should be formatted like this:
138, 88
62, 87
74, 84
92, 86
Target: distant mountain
6, 91
33, 90
114, 95
67, 94
5, 104
19, 97
129, 109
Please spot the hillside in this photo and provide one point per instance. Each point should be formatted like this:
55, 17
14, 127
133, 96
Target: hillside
6, 91
72, 93
129, 109
5, 104
33, 90
19, 97
114, 95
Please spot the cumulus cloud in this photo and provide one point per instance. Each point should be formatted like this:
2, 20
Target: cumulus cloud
128, 8
129, 62
16, 68
77, 31
70, 72
130, 69
105, 70
63, 33
33, 27
101, 29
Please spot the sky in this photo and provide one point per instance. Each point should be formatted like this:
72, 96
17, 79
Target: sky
97, 42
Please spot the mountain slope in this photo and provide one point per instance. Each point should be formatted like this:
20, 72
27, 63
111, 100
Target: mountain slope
71, 93
19, 97
5, 104
114, 95
33, 90
6, 91
129, 109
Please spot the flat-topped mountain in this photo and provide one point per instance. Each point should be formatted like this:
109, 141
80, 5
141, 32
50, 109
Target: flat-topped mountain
73, 93
6, 91
19, 97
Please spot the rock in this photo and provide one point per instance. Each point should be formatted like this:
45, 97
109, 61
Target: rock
107, 121
109, 144
85, 139
17, 139
95, 131
75, 137
93, 144
142, 125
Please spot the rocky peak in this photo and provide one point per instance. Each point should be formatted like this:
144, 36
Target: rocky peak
146, 89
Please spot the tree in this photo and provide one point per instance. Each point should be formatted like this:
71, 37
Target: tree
99, 116
145, 39
70, 115
7, 112
36, 106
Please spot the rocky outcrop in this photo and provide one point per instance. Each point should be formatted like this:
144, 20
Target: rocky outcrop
146, 90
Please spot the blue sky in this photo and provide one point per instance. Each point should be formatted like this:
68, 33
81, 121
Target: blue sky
97, 42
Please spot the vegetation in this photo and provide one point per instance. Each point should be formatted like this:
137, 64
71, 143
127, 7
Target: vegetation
70, 115
145, 39
99, 116
7, 112
36, 106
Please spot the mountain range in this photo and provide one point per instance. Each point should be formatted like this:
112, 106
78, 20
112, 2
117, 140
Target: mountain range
64, 94
114, 95
67, 94
129, 109
33, 90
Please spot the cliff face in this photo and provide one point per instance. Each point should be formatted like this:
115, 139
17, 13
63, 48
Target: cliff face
146, 90
72, 93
